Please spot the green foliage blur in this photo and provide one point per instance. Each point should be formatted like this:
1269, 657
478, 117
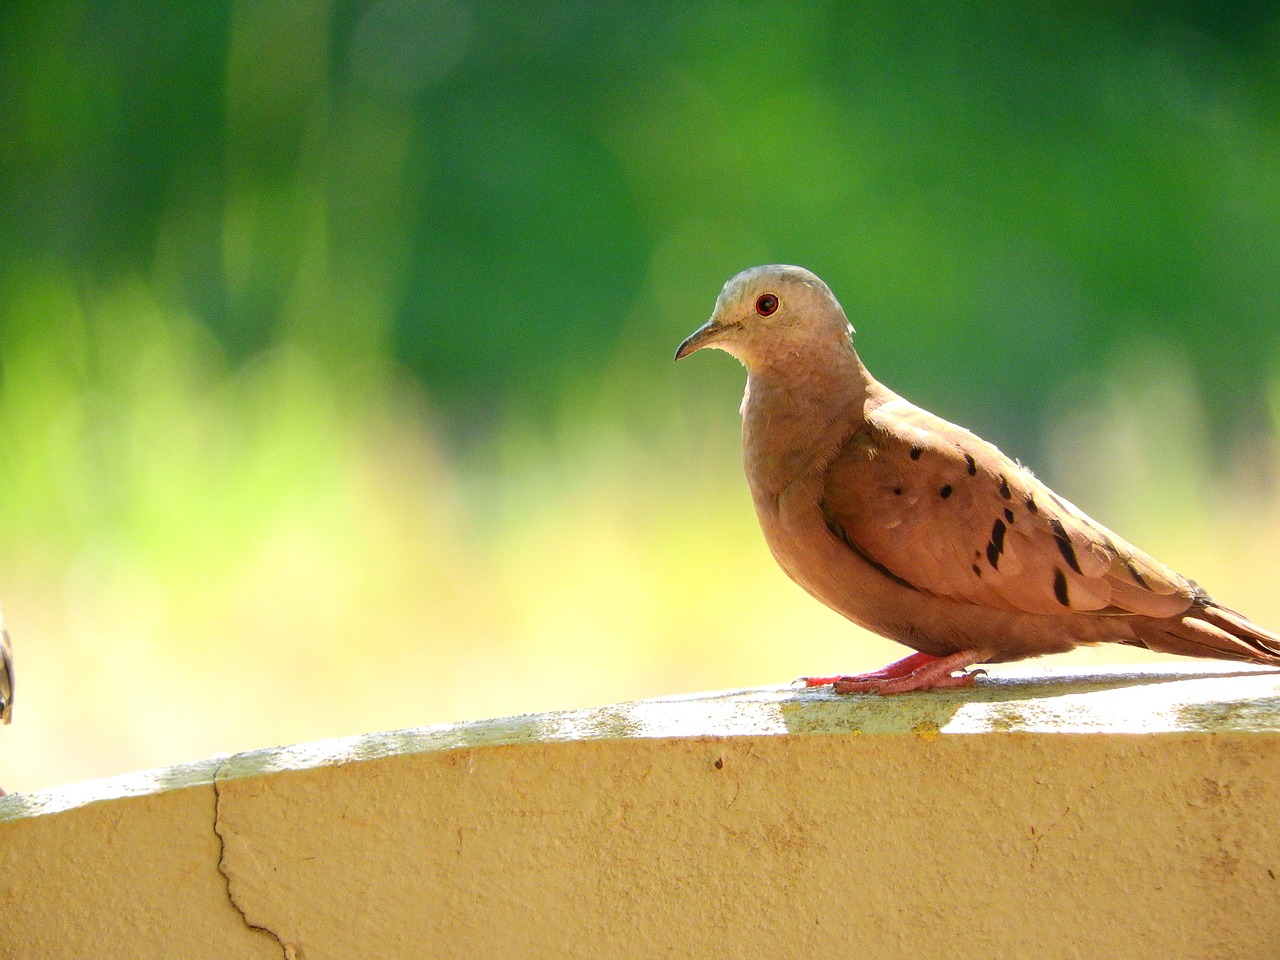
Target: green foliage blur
335, 337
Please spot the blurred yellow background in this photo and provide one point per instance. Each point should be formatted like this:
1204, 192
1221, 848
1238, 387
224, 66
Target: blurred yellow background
336, 390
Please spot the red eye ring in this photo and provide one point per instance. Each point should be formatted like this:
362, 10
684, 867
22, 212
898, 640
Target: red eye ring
766, 304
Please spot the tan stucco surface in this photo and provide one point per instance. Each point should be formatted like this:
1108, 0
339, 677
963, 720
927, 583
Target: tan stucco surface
1037, 816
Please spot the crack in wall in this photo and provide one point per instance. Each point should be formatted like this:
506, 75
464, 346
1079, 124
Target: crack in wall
290, 952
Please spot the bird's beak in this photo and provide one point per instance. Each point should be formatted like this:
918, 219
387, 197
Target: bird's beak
704, 335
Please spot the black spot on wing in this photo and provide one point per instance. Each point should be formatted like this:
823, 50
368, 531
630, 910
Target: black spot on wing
1060, 587
1064, 544
1134, 572
996, 546
997, 535
1031, 504
915, 453
973, 466
1008, 515
1004, 489
945, 491
840, 534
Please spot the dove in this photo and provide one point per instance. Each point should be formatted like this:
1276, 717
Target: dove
6, 676
919, 530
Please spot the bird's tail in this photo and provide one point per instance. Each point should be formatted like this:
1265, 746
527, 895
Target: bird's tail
1210, 630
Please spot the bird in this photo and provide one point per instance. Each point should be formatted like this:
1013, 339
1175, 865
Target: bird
917, 529
6, 675
6, 678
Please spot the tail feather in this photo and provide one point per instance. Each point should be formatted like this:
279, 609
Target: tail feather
1210, 630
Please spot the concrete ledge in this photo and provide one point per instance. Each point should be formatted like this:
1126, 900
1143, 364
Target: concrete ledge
1038, 815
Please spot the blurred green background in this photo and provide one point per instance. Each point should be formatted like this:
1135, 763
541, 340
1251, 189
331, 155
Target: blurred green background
336, 389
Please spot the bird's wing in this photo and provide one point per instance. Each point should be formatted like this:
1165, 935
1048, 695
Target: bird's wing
934, 507
6, 674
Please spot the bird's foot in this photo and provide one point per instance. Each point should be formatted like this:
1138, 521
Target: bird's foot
920, 671
909, 683
899, 668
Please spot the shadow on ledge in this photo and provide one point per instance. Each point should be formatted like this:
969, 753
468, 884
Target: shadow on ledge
1147, 700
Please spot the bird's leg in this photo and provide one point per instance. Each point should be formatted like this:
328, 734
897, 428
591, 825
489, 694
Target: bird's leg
899, 668
935, 675
917, 672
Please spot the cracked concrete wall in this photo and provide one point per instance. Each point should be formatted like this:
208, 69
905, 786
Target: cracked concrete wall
1129, 818
134, 877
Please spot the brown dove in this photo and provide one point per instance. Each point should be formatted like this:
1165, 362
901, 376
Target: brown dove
919, 530
6, 676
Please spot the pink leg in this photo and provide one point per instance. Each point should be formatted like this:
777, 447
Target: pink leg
917, 672
899, 668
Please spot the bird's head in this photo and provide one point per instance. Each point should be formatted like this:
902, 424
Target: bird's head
769, 313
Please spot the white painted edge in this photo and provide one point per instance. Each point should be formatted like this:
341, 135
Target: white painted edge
1162, 699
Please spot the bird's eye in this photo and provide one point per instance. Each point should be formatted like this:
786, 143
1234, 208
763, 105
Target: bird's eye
766, 303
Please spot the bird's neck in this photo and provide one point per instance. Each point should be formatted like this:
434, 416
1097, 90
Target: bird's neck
797, 413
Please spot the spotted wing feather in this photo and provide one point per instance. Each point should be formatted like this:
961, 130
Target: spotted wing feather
6, 676
950, 515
